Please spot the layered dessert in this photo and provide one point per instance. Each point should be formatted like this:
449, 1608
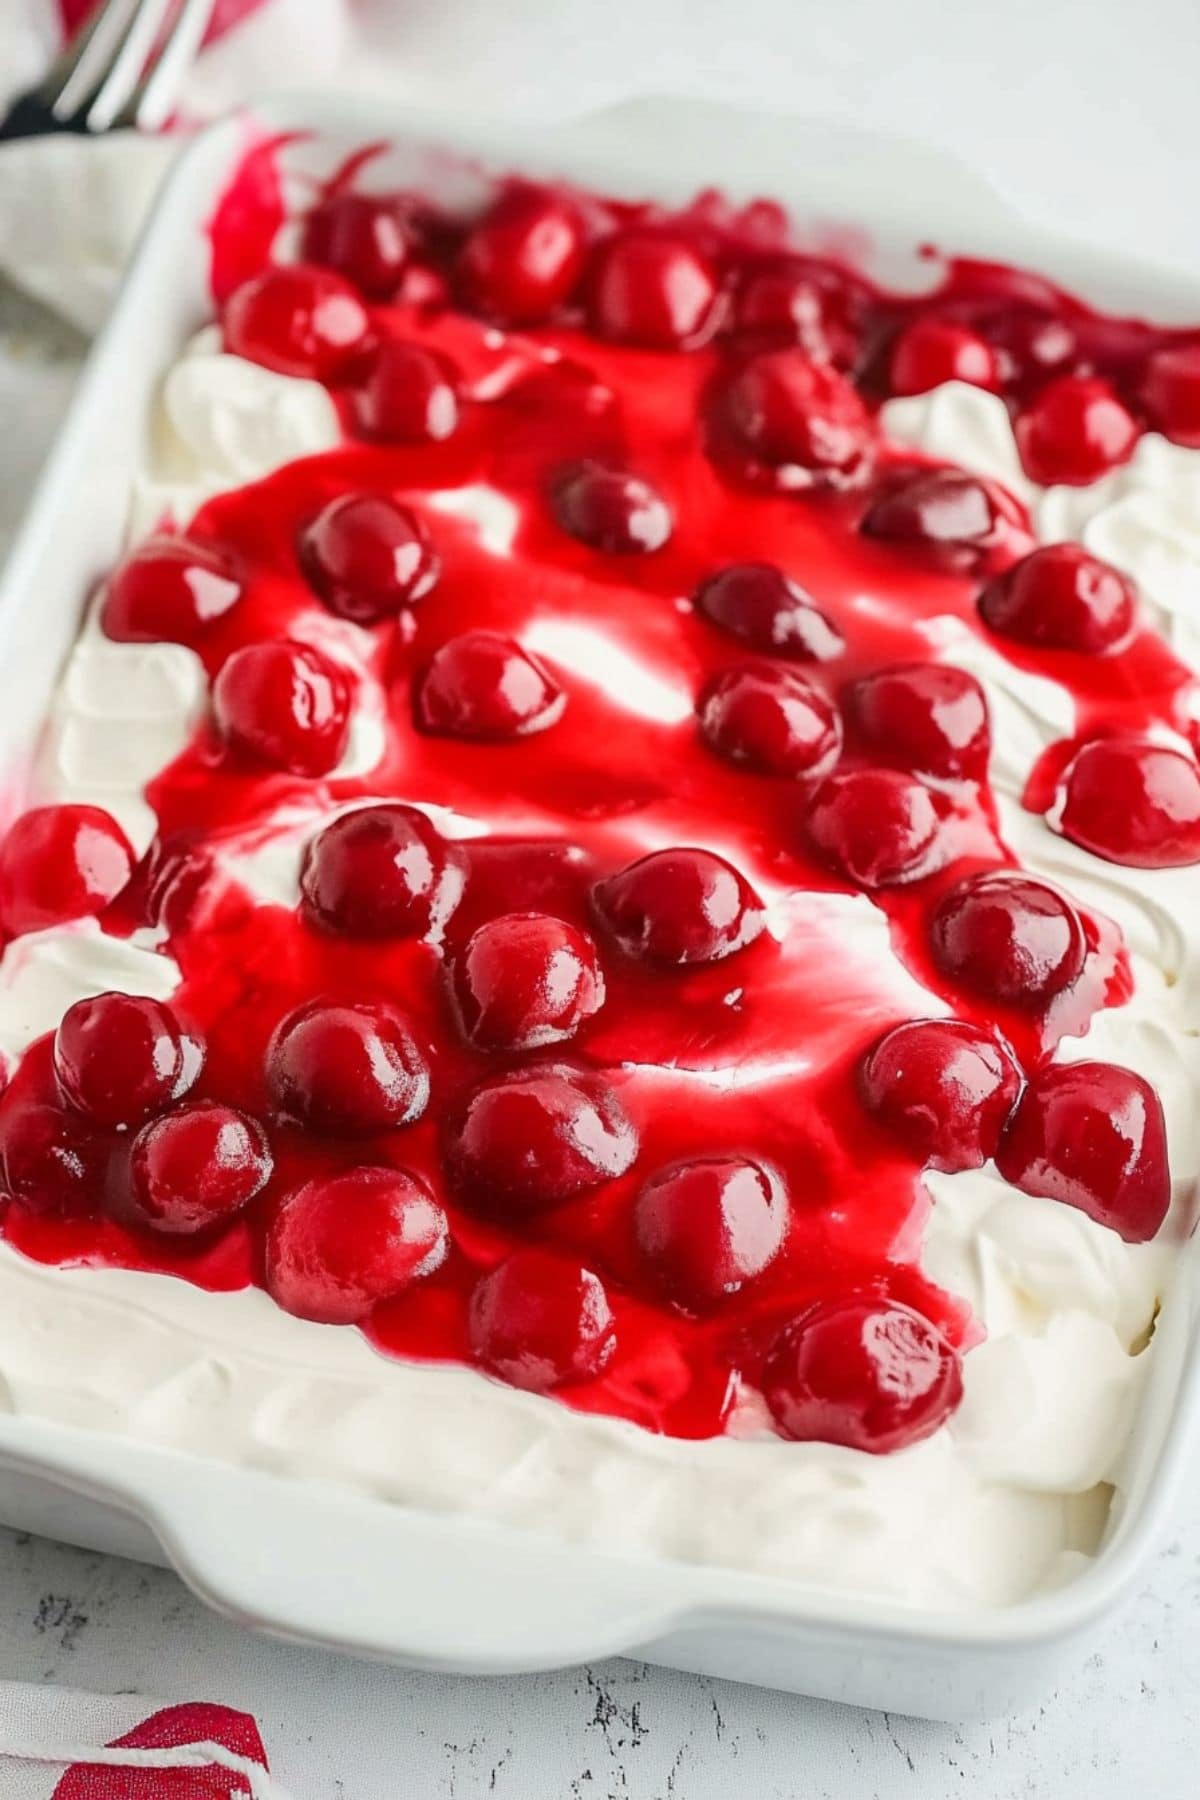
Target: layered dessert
604, 935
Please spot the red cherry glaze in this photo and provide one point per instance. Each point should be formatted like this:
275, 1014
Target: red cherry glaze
680, 907
931, 351
407, 395
955, 519
367, 557
526, 980
368, 238
540, 1320
1075, 431
1133, 802
120, 1057
870, 1374
758, 604
1060, 597
1008, 936
876, 827
297, 320
927, 716
706, 1228
786, 411
171, 590
1171, 391
610, 509
522, 260
653, 289
1092, 1135
772, 721
532, 1139
944, 1088
793, 301
196, 1167
59, 863
380, 871
284, 705
53, 1161
341, 1243
483, 685
346, 1070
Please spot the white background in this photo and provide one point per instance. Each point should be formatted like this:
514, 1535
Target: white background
1084, 113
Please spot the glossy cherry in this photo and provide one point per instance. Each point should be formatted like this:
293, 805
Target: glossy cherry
525, 980
341, 1243
120, 1057
867, 1373
59, 863
380, 871
52, 1160
680, 907
285, 705
1074, 431
928, 716
170, 590
956, 519
347, 1070
196, 1167
482, 684
874, 826
1061, 597
609, 509
1171, 391
791, 300
368, 238
524, 257
770, 720
406, 395
763, 608
651, 288
705, 1228
296, 319
1133, 802
540, 1320
532, 1139
944, 1088
1092, 1135
931, 351
367, 557
787, 412
1008, 936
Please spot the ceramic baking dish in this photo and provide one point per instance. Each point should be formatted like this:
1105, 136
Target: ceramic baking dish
320, 1564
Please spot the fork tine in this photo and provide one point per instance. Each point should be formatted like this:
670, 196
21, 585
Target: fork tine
82, 59
116, 83
152, 100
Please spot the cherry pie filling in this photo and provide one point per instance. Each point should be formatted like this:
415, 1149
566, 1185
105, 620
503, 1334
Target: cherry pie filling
592, 1049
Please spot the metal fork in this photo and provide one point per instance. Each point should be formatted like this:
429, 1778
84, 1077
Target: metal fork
123, 69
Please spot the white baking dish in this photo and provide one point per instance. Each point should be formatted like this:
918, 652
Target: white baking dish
318, 1563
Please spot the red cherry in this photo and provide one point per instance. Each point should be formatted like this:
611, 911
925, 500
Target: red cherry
1074, 431
368, 238
1060, 597
801, 303
53, 1162
197, 1167
538, 1137
955, 517
120, 1057
680, 907
651, 288
759, 604
770, 720
522, 260
380, 871
945, 1088
347, 1070
876, 827
540, 1320
169, 591
870, 1374
526, 980
930, 351
59, 863
1133, 802
609, 509
1092, 1135
1033, 345
284, 704
342, 1243
1008, 936
407, 395
928, 716
367, 557
708, 1227
297, 320
1171, 390
483, 685
785, 410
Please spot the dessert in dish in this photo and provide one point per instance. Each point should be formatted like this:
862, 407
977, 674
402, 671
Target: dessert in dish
603, 934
